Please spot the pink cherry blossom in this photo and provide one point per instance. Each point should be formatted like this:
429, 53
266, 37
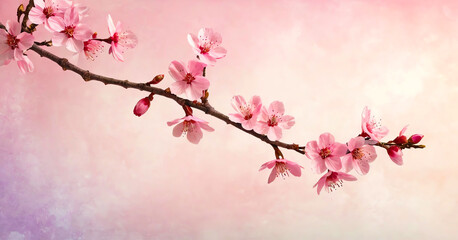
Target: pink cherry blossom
247, 112
92, 47
191, 127
13, 43
142, 106
372, 128
395, 154
326, 153
206, 45
272, 121
120, 39
281, 167
69, 31
188, 80
332, 180
359, 157
45, 10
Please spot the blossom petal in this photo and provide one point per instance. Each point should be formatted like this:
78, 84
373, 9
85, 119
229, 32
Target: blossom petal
236, 117
194, 42
74, 45
287, 122
325, 140
111, 26
238, 102
36, 16
347, 163
333, 163
272, 175
294, 168
205, 35
218, 52
13, 27
178, 88
346, 177
269, 165
56, 24
171, 123
39, 3
196, 68
178, 130
339, 149
318, 165
177, 70
361, 167
26, 41
274, 133
276, 108
206, 127
194, 134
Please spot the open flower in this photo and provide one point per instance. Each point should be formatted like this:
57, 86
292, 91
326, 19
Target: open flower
191, 127
332, 180
206, 45
326, 153
359, 157
69, 31
46, 10
273, 120
13, 43
120, 39
92, 47
371, 127
188, 80
247, 112
281, 167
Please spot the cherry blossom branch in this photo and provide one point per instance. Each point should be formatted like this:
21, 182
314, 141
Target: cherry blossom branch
204, 107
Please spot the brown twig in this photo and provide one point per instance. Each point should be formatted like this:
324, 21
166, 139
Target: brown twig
26, 15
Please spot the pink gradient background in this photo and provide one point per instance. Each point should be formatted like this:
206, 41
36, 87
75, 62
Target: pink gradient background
75, 163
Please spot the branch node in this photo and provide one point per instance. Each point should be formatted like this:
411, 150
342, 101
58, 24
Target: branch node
86, 76
63, 62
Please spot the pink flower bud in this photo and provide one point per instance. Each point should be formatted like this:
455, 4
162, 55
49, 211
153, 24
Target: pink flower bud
400, 140
142, 106
395, 154
416, 138
157, 79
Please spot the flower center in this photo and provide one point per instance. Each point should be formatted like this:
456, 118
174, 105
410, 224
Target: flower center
115, 37
205, 48
188, 126
189, 78
12, 41
48, 12
69, 30
357, 153
325, 152
273, 121
282, 170
333, 182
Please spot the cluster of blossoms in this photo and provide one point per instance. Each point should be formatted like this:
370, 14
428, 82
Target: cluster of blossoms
338, 159
189, 80
63, 19
333, 159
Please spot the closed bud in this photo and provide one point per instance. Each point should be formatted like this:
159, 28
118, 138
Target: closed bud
400, 140
416, 138
157, 79
142, 106
395, 154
